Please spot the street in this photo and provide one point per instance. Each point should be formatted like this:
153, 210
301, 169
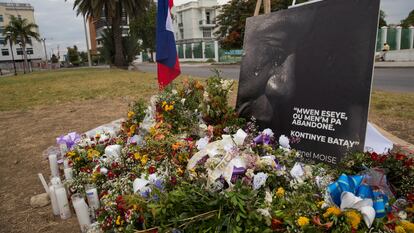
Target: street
386, 79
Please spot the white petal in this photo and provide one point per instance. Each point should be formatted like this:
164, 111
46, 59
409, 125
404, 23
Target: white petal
239, 137
368, 213
348, 200
139, 184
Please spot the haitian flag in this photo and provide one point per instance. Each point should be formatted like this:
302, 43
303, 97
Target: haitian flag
167, 59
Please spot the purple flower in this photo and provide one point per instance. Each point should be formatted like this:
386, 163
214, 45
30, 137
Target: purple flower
70, 139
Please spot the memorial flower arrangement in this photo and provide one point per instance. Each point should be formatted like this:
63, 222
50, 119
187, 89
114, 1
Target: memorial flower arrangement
187, 163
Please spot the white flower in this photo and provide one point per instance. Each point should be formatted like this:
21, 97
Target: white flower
284, 142
104, 170
259, 180
297, 171
402, 215
202, 143
206, 96
268, 132
264, 212
174, 91
239, 137
268, 197
182, 101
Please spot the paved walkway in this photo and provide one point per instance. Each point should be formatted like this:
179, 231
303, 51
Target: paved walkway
389, 64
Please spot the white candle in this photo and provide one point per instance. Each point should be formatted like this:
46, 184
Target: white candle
53, 200
68, 173
63, 149
55, 180
62, 201
54, 169
82, 212
65, 163
93, 199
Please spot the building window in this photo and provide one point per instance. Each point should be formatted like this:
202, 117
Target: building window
2, 41
19, 51
208, 17
1, 18
1, 30
29, 51
5, 52
29, 40
206, 33
182, 33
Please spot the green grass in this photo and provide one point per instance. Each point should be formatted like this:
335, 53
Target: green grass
45, 88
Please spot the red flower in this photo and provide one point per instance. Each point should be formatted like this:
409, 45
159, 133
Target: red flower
399, 156
173, 180
374, 156
409, 162
111, 175
152, 170
410, 197
276, 224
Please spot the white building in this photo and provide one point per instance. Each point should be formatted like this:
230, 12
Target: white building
35, 51
194, 25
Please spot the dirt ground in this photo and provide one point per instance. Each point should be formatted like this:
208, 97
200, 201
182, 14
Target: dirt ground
24, 136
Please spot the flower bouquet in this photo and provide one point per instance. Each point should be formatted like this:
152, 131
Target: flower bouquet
187, 163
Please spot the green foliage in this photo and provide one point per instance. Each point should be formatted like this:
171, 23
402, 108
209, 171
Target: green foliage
144, 26
382, 21
113, 11
138, 110
54, 59
130, 47
232, 20
409, 21
73, 55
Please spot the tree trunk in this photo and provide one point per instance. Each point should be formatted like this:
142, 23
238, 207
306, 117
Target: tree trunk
25, 63
119, 59
152, 55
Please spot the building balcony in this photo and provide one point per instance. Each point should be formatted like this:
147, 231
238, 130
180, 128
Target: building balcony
207, 23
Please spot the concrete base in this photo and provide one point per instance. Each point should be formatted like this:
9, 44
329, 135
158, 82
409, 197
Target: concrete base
404, 55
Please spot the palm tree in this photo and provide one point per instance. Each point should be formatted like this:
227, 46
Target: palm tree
113, 11
21, 31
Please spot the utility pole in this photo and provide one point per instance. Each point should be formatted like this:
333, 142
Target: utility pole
87, 42
44, 46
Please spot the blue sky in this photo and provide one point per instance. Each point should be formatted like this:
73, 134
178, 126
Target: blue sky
61, 27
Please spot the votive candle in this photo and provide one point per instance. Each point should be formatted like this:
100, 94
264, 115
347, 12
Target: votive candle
62, 201
82, 212
54, 169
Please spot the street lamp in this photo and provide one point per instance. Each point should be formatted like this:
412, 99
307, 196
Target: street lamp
11, 49
24, 62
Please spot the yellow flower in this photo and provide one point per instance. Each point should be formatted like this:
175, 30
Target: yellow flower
137, 156
408, 226
408, 209
118, 221
302, 221
333, 210
353, 218
71, 154
180, 171
132, 128
320, 204
280, 192
399, 229
144, 160
93, 154
131, 114
164, 103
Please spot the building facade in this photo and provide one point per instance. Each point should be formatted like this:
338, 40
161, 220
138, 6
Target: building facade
97, 27
35, 51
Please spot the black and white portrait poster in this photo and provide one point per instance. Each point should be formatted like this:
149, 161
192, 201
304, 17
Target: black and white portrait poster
306, 73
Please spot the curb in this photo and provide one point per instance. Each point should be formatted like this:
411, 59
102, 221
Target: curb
406, 146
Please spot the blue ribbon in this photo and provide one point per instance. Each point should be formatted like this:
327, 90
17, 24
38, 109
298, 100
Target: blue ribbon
353, 184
